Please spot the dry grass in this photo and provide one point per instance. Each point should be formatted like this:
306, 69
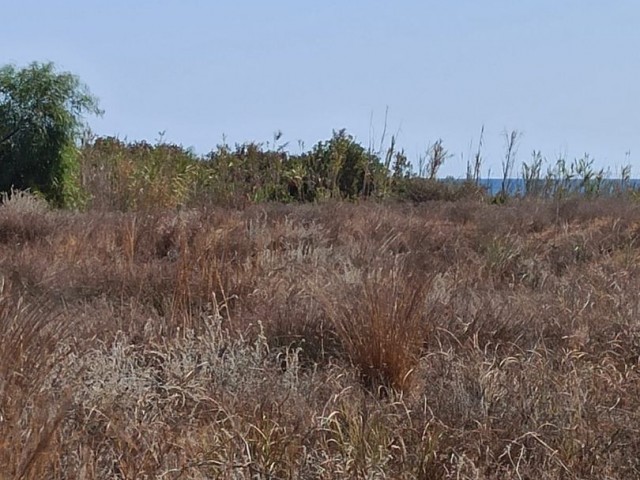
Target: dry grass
458, 340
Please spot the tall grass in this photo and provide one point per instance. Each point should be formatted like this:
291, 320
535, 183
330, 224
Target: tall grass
337, 340
380, 319
254, 313
33, 396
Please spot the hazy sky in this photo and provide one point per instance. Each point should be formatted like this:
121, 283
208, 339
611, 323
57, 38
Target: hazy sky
566, 73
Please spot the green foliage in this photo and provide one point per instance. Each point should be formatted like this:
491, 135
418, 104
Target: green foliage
132, 176
337, 168
397, 169
69, 182
41, 117
531, 175
248, 173
349, 169
564, 179
127, 176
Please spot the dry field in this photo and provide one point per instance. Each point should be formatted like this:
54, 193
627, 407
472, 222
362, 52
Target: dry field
447, 340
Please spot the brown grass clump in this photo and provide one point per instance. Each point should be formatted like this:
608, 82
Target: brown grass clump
339, 340
379, 317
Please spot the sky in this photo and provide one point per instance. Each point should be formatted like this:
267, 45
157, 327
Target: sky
564, 73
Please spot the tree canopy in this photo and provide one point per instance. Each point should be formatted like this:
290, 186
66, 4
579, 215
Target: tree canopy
41, 117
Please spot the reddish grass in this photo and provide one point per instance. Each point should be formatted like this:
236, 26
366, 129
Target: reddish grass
457, 340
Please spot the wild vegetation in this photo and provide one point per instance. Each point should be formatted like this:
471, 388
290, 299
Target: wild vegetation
41, 117
328, 314
335, 340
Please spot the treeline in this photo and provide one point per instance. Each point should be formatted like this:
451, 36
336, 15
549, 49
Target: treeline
42, 122
120, 175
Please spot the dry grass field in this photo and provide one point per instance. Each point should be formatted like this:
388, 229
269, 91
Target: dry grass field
339, 340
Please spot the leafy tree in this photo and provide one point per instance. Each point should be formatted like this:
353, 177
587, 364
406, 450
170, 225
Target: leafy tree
41, 118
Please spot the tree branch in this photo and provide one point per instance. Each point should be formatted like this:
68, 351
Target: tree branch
10, 134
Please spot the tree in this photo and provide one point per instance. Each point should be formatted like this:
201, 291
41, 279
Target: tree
41, 119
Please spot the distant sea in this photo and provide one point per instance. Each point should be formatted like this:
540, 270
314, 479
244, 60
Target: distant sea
516, 186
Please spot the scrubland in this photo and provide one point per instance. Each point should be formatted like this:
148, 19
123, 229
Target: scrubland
259, 312
361, 339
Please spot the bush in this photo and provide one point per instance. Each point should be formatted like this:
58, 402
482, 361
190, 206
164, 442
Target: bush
343, 167
420, 190
127, 176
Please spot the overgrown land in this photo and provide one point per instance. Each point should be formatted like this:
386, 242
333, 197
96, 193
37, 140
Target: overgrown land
330, 314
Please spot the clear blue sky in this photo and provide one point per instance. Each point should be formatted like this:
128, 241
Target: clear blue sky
564, 72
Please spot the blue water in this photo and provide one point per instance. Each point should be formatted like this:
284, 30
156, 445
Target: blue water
516, 186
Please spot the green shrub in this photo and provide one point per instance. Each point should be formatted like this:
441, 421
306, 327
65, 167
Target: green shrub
343, 167
126, 176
